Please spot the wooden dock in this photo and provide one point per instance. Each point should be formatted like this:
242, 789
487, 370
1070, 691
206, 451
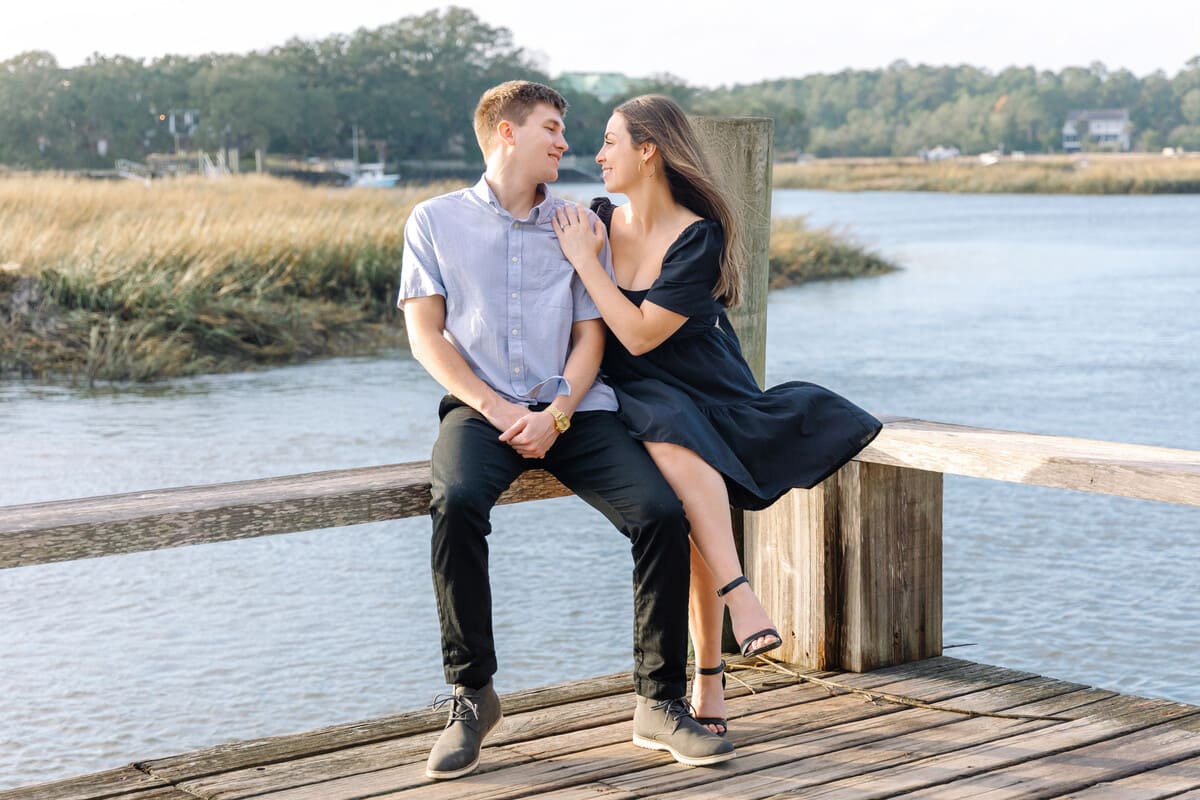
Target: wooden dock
937, 728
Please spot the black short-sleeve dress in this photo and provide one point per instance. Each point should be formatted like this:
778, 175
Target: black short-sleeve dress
697, 391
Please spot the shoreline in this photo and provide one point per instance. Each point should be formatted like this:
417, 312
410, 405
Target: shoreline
108, 351
1082, 173
125, 282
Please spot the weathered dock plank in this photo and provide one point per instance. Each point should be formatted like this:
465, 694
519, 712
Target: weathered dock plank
127, 783
1166, 781
850, 748
1117, 757
936, 728
927, 773
519, 726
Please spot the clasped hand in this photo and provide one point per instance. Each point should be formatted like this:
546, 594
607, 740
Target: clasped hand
532, 434
579, 236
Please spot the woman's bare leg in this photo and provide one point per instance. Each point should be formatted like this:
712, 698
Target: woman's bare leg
706, 503
706, 618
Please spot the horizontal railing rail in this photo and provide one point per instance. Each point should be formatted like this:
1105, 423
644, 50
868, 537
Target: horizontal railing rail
1126, 470
65, 530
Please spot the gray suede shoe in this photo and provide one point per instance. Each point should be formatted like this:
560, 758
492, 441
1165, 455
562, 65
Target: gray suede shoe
669, 725
473, 714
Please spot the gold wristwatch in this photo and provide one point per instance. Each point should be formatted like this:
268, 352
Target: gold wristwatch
561, 420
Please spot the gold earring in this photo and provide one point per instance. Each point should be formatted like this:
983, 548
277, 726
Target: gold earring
642, 164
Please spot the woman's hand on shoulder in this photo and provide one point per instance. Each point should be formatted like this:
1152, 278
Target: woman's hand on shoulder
580, 235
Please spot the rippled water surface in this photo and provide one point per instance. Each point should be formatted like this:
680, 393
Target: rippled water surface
1068, 315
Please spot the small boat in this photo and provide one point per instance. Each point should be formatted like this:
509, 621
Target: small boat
372, 175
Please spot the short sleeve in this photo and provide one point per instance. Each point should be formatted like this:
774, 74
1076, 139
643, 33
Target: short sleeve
420, 275
584, 306
690, 270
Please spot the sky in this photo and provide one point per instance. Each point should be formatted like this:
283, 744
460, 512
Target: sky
710, 44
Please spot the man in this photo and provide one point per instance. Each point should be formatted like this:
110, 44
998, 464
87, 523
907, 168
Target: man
495, 314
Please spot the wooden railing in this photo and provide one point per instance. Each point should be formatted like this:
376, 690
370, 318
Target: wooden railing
851, 571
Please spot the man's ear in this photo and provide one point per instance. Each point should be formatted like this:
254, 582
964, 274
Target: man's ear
506, 132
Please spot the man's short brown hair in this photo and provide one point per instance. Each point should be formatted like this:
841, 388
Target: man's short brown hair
513, 101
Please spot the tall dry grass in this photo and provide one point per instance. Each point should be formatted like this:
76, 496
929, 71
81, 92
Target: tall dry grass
1091, 173
131, 281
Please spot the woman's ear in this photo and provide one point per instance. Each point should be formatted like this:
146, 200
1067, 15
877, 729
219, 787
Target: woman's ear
648, 150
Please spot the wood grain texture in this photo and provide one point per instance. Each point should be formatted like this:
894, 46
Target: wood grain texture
42, 533
126, 783
795, 738
890, 523
1126, 470
741, 151
1165, 781
851, 570
793, 560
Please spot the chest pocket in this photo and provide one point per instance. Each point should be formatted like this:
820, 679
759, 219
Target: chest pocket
550, 282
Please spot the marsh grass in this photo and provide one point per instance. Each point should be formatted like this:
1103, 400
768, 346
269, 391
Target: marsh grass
800, 253
1090, 173
124, 281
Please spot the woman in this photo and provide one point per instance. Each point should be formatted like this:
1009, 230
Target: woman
684, 388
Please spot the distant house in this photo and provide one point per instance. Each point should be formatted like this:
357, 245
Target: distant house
1108, 129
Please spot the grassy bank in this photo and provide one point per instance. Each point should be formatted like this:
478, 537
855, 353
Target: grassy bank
120, 281
129, 282
1091, 173
800, 254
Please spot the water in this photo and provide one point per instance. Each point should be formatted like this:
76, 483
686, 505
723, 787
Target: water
1068, 315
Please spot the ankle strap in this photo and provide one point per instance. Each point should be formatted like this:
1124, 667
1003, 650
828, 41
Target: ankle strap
717, 670
733, 584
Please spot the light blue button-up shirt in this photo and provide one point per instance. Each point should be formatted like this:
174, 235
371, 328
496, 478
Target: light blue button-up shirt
511, 295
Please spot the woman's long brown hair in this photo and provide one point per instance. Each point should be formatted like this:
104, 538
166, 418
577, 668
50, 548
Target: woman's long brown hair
660, 120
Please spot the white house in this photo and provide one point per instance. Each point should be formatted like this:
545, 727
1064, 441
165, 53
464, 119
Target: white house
1108, 128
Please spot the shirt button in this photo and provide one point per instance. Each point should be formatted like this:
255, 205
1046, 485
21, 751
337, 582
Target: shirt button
514, 295
515, 331
516, 369
515, 259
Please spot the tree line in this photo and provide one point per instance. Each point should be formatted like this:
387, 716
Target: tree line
409, 89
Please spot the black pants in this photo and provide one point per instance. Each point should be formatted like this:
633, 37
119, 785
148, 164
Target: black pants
601, 463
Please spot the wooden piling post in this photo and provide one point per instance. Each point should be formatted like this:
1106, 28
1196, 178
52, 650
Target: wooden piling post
741, 150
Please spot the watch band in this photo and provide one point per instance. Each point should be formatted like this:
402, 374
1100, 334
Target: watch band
561, 420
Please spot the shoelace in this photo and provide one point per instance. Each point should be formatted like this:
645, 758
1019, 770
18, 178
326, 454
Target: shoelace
676, 709
459, 709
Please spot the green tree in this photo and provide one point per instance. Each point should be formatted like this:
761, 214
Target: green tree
248, 102
35, 128
111, 108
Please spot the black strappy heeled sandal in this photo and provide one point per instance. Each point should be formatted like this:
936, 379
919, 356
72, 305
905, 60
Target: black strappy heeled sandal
747, 651
720, 722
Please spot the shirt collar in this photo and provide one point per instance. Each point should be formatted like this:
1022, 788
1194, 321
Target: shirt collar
540, 213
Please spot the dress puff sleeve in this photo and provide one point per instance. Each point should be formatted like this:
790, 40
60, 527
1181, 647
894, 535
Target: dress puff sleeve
690, 270
602, 207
